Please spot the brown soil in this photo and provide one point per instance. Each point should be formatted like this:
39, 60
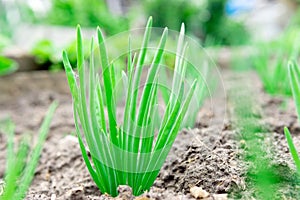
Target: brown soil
208, 156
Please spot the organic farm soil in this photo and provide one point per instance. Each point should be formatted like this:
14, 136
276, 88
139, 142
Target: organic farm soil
209, 156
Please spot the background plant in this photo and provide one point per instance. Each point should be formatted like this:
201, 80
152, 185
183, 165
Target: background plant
206, 20
131, 152
47, 54
7, 66
89, 13
263, 177
294, 75
271, 60
20, 167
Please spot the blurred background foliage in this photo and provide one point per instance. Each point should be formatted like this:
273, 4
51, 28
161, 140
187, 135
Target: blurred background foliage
207, 21
91, 13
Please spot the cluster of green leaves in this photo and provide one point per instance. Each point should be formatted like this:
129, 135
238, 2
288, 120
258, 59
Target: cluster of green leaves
131, 152
20, 167
294, 75
204, 19
7, 66
47, 54
271, 62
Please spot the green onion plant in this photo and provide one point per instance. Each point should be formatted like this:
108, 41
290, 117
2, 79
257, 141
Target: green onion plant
294, 75
261, 174
270, 65
20, 167
132, 150
270, 62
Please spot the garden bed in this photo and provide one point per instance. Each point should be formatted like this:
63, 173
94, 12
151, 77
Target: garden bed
209, 156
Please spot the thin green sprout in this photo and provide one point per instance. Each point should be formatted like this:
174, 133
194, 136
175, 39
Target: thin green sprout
292, 148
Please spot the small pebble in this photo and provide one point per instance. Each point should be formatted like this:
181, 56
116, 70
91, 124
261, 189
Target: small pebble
76, 193
220, 196
53, 196
142, 198
198, 192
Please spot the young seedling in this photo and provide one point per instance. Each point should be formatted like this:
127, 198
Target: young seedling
259, 173
270, 66
133, 151
294, 75
20, 167
271, 60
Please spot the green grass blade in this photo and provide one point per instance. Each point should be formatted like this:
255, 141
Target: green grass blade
292, 148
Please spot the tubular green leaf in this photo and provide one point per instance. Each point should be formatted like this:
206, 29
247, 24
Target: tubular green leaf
108, 77
70, 76
292, 148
